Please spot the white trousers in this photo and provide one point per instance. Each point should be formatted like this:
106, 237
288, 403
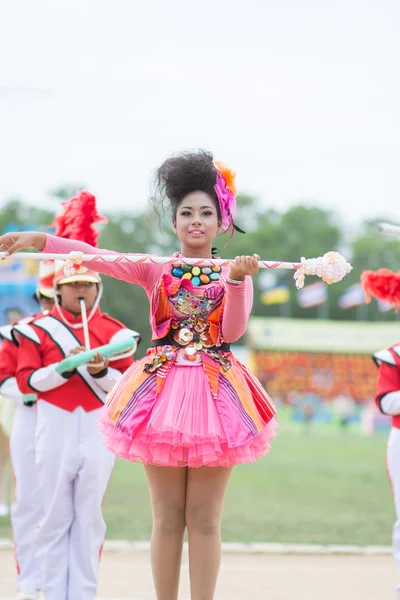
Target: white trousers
393, 467
27, 510
73, 469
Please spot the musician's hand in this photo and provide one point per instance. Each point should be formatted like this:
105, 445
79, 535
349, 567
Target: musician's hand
12, 242
244, 265
73, 352
97, 364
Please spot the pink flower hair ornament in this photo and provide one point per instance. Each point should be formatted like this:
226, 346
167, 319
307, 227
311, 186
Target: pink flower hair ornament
226, 193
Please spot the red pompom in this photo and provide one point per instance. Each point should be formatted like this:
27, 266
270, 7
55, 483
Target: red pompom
382, 285
77, 218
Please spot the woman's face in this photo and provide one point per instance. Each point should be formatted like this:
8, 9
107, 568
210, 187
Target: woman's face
196, 224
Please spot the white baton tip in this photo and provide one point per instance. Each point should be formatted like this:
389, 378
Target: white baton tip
388, 228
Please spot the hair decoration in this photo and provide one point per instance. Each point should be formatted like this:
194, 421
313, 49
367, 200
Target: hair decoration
225, 190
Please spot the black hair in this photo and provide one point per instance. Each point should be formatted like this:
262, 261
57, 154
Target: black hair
182, 174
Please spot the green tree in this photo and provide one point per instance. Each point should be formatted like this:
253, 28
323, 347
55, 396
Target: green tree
370, 250
17, 214
279, 236
300, 231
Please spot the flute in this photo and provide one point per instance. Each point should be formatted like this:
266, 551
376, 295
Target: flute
85, 323
106, 351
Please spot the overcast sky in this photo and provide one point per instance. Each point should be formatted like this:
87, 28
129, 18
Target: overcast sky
301, 97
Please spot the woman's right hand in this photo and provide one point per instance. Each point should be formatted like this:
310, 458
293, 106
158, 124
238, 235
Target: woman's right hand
12, 242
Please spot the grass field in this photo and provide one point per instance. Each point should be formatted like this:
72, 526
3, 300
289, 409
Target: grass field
325, 487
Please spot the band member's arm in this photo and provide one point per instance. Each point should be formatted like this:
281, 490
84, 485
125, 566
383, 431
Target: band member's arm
388, 389
390, 403
32, 376
111, 374
107, 378
8, 367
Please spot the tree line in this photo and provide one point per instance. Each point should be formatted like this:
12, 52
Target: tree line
302, 230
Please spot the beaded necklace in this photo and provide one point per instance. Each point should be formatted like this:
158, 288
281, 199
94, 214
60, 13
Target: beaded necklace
197, 275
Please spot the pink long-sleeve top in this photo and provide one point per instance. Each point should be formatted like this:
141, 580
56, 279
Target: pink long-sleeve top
238, 299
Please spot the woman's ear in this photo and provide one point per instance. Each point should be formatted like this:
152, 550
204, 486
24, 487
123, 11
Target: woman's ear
220, 229
174, 226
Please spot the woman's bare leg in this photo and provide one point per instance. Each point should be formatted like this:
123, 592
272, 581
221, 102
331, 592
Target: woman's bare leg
168, 498
205, 494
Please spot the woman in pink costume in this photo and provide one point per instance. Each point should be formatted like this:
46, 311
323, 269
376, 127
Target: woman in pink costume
189, 411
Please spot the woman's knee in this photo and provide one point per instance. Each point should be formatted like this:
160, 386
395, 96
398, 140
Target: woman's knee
202, 521
169, 520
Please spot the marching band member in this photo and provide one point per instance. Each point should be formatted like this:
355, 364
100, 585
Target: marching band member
27, 509
384, 285
73, 466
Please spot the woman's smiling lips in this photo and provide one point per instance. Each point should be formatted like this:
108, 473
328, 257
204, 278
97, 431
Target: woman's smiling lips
196, 232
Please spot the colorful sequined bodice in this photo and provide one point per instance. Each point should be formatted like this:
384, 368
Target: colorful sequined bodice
190, 329
199, 306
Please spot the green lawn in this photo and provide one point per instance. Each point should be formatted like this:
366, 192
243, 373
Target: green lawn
322, 488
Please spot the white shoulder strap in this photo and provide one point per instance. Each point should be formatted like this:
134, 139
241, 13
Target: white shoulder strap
384, 356
66, 341
5, 333
25, 330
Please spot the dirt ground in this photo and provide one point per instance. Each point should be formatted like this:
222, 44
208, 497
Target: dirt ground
126, 574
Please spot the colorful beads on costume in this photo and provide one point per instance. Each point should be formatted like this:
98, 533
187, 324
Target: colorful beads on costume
188, 304
197, 275
164, 355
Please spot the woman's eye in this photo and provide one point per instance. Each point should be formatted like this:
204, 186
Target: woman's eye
185, 213
207, 213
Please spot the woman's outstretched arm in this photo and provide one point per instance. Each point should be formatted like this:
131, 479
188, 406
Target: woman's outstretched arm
140, 274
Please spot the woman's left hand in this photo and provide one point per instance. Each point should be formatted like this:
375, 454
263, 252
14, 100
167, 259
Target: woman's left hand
244, 265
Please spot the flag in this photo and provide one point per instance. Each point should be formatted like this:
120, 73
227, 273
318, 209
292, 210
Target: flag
312, 295
277, 295
384, 306
266, 279
353, 296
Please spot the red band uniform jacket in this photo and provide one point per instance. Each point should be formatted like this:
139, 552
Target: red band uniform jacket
388, 361
46, 341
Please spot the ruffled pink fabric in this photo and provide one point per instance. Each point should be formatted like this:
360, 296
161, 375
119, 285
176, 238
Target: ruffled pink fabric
184, 428
227, 202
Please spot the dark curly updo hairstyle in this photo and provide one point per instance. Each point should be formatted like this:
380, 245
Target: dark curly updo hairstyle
182, 174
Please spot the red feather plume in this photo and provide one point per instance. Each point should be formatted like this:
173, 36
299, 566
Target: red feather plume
78, 216
382, 284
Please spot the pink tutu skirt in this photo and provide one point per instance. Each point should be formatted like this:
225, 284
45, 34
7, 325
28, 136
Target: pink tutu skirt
184, 427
